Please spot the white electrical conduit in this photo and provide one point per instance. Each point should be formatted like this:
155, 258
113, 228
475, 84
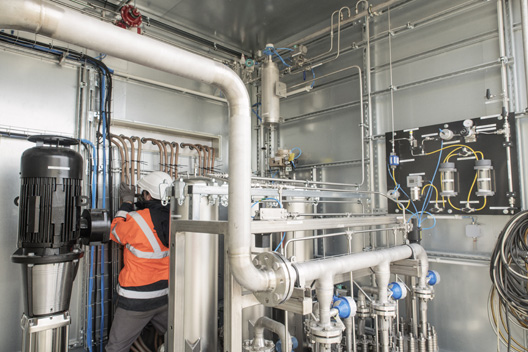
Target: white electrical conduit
48, 19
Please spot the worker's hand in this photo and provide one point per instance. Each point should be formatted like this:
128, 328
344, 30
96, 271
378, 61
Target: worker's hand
126, 194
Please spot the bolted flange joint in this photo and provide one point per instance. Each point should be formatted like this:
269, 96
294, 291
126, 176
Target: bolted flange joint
284, 275
384, 309
424, 292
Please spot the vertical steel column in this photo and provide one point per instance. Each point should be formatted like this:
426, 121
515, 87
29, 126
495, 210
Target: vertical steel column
175, 330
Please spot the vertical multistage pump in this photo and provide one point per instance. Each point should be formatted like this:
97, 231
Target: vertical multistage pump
48, 239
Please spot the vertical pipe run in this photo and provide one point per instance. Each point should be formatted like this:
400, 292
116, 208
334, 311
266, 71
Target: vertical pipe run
125, 161
524, 23
502, 57
132, 171
176, 146
505, 100
138, 157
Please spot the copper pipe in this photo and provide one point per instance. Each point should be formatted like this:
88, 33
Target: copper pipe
132, 166
192, 147
207, 160
138, 157
120, 148
124, 166
164, 155
177, 146
169, 163
155, 142
200, 148
212, 158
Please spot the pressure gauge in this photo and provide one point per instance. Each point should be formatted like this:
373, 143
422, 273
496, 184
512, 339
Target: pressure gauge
468, 123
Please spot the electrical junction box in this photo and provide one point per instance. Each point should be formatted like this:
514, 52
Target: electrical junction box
272, 214
463, 165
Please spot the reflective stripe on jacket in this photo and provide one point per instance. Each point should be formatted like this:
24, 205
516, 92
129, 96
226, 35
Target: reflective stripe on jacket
146, 259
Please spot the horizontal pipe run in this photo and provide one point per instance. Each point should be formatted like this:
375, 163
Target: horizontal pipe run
351, 19
145, 81
351, 233
434, 79
329, 267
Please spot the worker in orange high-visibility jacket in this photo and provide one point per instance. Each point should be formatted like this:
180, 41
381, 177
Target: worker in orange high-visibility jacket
144, 280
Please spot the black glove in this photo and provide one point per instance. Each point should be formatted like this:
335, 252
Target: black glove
126, 194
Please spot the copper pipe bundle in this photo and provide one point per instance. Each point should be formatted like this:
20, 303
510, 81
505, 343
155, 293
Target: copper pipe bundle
124, 155
160, 147
132, 171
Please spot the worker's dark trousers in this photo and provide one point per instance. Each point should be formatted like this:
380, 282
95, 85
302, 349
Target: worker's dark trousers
127, 326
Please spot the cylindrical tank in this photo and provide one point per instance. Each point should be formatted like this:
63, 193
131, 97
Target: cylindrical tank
301, 250
201, 272
270, 100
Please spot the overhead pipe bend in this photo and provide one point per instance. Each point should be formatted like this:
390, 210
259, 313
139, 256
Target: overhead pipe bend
48, 19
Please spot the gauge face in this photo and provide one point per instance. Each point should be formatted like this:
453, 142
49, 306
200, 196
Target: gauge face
468, 123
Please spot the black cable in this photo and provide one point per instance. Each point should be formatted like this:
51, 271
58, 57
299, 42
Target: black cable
509, 270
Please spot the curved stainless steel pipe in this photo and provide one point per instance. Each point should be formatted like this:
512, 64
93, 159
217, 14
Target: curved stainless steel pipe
46, 18
265, 323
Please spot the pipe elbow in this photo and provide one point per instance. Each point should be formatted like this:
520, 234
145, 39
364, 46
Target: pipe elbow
247, 275
274, 326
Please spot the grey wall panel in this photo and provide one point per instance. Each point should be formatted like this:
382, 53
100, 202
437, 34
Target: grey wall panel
37, 94
327, 138
459, 309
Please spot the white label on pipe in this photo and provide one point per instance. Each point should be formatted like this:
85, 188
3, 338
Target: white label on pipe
58, 168
298, 222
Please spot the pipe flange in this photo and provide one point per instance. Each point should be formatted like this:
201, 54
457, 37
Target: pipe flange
363, 312
424, 292
281, 288
384, 309
326, 334
269, 346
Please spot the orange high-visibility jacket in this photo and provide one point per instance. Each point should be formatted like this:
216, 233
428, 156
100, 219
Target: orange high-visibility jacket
146, 259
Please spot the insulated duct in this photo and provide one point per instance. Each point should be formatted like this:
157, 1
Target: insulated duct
45, 18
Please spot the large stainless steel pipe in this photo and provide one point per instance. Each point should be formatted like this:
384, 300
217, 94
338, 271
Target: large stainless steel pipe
328, 268
43, 17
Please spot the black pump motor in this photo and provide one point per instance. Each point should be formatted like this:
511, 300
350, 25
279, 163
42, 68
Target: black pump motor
50, 196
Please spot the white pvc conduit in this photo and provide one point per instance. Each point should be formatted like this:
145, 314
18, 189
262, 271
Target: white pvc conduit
46, 18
